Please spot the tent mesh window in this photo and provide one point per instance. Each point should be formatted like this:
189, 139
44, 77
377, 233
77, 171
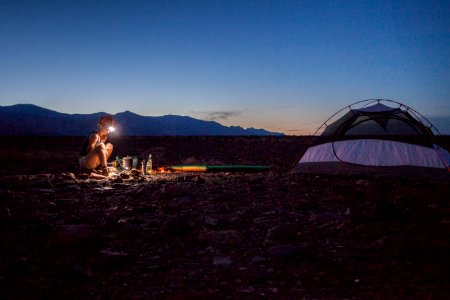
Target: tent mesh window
378, 122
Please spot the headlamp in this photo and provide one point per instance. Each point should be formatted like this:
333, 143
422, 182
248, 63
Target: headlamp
111, 129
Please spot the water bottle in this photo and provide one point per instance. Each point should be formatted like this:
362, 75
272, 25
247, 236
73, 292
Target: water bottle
149, 165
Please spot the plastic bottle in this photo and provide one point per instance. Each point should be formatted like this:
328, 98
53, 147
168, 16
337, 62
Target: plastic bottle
149, 165
142, 168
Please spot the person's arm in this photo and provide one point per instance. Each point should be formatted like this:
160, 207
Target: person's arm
93, 138
103, 138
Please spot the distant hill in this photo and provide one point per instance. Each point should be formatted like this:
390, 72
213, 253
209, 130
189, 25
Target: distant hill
28, 119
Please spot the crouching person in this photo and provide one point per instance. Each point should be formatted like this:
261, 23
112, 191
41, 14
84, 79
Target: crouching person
95, 152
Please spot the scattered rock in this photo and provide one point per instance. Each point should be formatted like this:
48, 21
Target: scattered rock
109, 260
117, 180
172, 190
184, 200
79, 234
325, 218
178, 226
83, 176
248, 290
223, 238
220, 198
77, 273
291, 253
363, 182
41, 181
283, 234
346, 189
45, 191
255, 260
5, 215
69, 176
125, 175
386, 212
199, 180
260, 187
15, 266
208, 220
5, 195
38, 229
223, 262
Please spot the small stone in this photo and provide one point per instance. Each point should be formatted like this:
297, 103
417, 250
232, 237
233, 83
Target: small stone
224, 238
74, 273
109, 260
5, 195
223, 262
41, 181
5, 215
211, 221
117, 180
199, 180
38, 229
325, 218
363, 182
345, 189
282, 234
386, 212
76, 234
178, 226
291, 253
68, 176
250, 289
220, 198
258, 187
73, 187
172, 190
45, 191
183, 200
109, 253
134, 173
125, 175
83, 176
255, 260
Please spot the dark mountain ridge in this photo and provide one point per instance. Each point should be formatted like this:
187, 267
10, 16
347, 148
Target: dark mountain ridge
29, 119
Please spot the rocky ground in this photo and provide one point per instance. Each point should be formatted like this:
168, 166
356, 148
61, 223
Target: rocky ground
263, 235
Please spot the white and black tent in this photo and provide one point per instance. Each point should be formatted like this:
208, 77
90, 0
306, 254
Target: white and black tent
375, 133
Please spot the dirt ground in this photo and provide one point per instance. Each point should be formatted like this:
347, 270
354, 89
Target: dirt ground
268, 235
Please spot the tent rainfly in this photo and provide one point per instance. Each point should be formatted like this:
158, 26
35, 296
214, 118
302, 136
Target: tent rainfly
373, 133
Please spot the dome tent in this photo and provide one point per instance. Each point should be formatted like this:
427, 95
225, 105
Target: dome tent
375, 133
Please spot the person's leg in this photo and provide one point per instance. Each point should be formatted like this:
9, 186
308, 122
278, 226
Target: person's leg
97, 157
109, 149
102, 155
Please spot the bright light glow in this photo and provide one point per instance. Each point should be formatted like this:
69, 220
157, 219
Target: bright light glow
111, 129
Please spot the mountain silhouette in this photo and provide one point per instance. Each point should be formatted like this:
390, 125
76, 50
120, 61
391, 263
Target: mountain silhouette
29, 119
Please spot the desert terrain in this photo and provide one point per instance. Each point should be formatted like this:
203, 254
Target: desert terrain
225, 235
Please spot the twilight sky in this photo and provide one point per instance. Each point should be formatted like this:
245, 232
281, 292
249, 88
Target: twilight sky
280, 65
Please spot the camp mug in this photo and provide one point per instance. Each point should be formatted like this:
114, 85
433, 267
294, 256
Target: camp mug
127, 162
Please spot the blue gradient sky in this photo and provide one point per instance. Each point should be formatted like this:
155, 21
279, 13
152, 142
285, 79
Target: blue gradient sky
280, 65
